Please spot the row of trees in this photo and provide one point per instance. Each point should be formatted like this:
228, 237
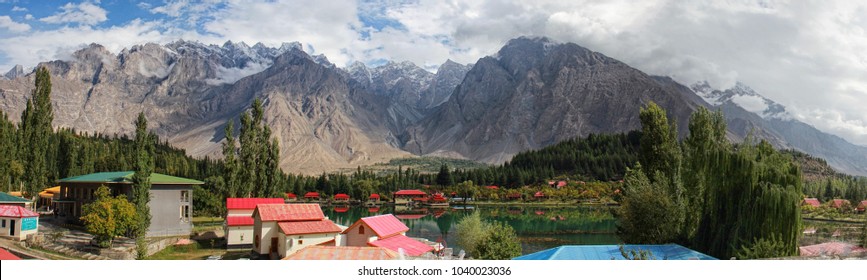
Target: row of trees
713, 196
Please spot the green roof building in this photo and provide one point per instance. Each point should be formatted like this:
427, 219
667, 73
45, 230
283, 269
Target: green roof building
171, 199
7, 199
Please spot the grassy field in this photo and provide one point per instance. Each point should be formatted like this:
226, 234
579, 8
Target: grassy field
196, 251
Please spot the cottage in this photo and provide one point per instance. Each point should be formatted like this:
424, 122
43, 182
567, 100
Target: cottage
539, 195
341, 198
311, 196
814, 202
840, 204
492, 187
384, 231
239, 220
282, 229
343, 253
408, 196
171, 199
373, 199
291, 197
861, 206
7, 199
17, 222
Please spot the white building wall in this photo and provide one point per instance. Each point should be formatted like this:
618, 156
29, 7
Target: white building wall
293, 243
265, 231
17, 233
240, 212
239, 235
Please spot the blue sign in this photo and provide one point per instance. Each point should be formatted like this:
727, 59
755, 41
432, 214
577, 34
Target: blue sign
28, 223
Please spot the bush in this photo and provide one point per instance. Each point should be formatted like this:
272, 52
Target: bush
490, 241
764, 248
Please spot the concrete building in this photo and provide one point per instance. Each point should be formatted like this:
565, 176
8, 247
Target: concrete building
282, 229
239, 220
17, 222
384, 231
171, 199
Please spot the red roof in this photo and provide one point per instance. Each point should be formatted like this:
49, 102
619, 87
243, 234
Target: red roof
837, 203
342, 253
239, 221
6, 256
561, 184
291, 195
289, 212
410, 216
539, 194
374, 196
862, 206
438, 197
341, 196
308, 227
409, 192
16, 211
410, 246
311, 195
492, 187
812, 202
250, 203
382, 225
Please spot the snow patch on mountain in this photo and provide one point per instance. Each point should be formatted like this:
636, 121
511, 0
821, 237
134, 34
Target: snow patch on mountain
233, 74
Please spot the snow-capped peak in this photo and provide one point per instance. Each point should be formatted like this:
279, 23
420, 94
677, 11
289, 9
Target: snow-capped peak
743, 96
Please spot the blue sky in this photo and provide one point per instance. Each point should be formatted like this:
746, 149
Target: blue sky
808, 56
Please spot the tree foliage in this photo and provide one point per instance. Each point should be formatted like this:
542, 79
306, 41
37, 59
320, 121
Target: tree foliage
36, 130
487, 240
107, 217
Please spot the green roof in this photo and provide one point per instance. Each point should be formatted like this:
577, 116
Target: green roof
125, 177
5, 197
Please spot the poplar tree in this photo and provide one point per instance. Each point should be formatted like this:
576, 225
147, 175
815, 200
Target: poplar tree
141, 184
230, 162
35, 129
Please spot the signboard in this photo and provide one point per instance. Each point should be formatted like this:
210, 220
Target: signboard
28, 223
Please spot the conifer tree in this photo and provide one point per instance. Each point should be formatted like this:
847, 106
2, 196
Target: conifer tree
35, 132
141, 184
230, 162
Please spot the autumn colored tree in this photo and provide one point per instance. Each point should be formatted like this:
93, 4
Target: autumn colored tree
108, 217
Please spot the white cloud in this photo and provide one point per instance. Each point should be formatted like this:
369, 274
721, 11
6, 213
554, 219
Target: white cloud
751, 103
172, 9
28, 17
232, 75
18, 9
156, 71
7, 23
85, 13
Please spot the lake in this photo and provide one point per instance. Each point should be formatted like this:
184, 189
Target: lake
538, 227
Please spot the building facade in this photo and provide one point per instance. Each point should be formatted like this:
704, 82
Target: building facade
282, 229
171, 199
239, 219
17, 222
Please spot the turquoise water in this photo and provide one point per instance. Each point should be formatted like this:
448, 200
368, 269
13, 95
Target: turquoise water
538, 228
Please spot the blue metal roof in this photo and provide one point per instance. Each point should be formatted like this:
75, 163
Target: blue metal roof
612, 252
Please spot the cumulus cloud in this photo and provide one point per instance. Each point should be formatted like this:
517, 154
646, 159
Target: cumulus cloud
751, 103
172, 9
7, 23
18, 9
85, 13
232, 75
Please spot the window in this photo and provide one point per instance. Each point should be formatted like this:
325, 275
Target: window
185, 196
300, 241
360, 229
3, 223
185, 213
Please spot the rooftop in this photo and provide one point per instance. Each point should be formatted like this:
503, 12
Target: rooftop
16, 211
250, 203
289, 212
7, 198
308, 227
383, 225
125, 177
410, 246
612, 252
235, 221
410, 192
343, 253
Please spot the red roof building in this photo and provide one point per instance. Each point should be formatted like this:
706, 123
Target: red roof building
299, 226
409, 193
384, 231
374, 196
239, 221
311, 195
410, 246
513, 196
288, 212
18, 222
839, 203
492, 187
343, 253
250, 203
308, 227
539, 195
861, 206
341, 196
812, 202
6, 256
15, 211
407, 196
291, 196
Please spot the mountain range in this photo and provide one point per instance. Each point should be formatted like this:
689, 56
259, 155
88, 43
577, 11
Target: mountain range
532, 93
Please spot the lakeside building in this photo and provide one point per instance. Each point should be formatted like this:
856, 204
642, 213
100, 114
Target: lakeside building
341, 198
384, 231
239, 220
17, 222
171, 199
311, 196
408, 196
812, 202
282, 229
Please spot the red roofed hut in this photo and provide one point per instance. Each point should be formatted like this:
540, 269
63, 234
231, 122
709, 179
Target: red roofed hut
311, 196
539, 195
408, 196
341, 198
840, 204
282, 229
384, 231
861, 206
239, 219
291, 197
18, 222
373, 199
812, 202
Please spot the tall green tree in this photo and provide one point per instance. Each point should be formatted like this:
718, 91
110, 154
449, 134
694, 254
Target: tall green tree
707, 132
9, 150
231, 180
141, 183
36, 131
660, 152
444, 177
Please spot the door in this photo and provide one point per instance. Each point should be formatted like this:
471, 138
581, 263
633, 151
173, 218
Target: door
274, 244
11, 227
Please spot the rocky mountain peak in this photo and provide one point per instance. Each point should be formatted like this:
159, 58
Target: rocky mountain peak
15, 72
742, 96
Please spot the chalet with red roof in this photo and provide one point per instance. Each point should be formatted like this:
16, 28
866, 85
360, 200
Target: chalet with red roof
409, 196
812, 202
291, 197
840, 204
341, 198
311, 196
283, 229
17, 222
373, 198
384, 231
540, 195
861, 206
239, 219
